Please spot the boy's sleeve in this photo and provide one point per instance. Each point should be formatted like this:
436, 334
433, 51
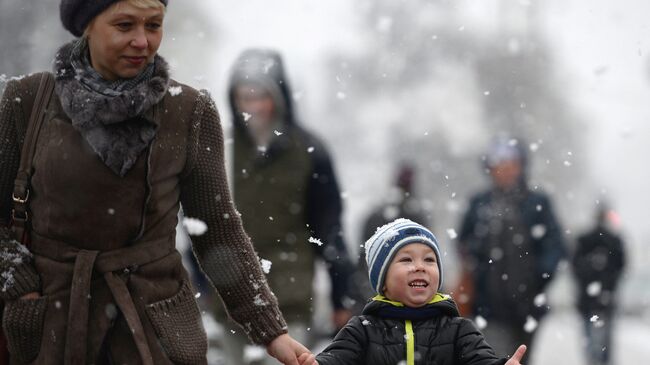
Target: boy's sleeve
348, 347
471, 347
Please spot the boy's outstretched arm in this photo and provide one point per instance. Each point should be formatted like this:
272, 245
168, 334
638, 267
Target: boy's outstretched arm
348, 346
517, 356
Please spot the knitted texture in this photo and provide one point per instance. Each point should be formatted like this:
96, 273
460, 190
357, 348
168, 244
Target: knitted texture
387, 240
77, 14
22, 322
17, 273
224, 252
183, 341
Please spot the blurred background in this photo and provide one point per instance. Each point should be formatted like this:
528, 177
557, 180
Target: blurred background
432, 82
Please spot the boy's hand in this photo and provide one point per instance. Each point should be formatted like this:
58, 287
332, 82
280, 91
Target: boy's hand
307, 359
286, 350
517, 356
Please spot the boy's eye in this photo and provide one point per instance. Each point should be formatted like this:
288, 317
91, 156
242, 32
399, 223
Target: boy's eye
430, 259
405, 259
154, 26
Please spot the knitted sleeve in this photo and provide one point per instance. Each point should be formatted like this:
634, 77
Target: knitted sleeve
18, 275
225, 253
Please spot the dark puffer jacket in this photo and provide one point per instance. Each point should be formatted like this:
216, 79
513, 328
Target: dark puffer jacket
380, 337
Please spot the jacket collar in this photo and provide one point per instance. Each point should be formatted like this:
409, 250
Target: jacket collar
441, 304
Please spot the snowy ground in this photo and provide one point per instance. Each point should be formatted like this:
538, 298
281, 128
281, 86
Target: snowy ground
560, 340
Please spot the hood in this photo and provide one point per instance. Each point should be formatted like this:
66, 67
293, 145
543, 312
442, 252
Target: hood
263, 68
441, 304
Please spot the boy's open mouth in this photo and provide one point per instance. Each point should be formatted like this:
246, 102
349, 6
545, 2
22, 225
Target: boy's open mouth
418, 284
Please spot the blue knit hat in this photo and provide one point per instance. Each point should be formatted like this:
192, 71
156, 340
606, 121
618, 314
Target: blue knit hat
387, 240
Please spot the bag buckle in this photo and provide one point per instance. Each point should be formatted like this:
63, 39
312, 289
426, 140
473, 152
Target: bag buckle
20, 200
13, 216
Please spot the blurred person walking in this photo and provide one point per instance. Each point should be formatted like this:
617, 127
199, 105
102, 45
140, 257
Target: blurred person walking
510, 244
90, 273
287, 193
401, 202
598, 264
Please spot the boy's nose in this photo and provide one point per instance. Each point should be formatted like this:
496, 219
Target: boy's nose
418, 266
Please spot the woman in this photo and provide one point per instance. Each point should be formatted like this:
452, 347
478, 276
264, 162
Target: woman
120, 147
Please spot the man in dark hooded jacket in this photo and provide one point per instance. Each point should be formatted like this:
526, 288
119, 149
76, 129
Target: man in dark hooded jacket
598, 264
286, 191
511, 245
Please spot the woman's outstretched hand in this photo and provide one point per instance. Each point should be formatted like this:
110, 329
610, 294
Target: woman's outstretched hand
287, 351
517, 356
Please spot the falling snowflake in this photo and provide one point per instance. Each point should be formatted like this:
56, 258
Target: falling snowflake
530, 325
452, 233
538, 231
258, 301
175, 90
594, 288
316, 241
481, 323
266, 265
194, 226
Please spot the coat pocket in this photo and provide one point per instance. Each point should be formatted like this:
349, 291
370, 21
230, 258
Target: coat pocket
22, 322
177, 322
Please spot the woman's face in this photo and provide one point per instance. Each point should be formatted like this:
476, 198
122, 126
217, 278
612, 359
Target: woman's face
124, 39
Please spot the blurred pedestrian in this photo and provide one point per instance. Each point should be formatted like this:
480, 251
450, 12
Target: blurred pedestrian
511, 244
287, 193
598, 264
90, 273
401, 202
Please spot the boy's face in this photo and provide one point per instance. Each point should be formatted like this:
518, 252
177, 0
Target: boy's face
412, 277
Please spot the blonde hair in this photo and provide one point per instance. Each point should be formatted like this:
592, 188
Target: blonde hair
142, 4
146, 4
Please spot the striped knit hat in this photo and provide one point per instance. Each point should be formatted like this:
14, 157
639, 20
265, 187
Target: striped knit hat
387, 240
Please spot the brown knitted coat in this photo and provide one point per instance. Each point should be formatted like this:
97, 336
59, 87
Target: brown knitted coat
103, 245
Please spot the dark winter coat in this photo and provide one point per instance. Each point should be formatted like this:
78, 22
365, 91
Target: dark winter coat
514, 243
112, 283
287, 194
599, 259
380, 336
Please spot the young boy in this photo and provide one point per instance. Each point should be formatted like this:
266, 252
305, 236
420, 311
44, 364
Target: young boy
409, 322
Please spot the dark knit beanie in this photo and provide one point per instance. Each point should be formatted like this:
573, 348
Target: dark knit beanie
76, 14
